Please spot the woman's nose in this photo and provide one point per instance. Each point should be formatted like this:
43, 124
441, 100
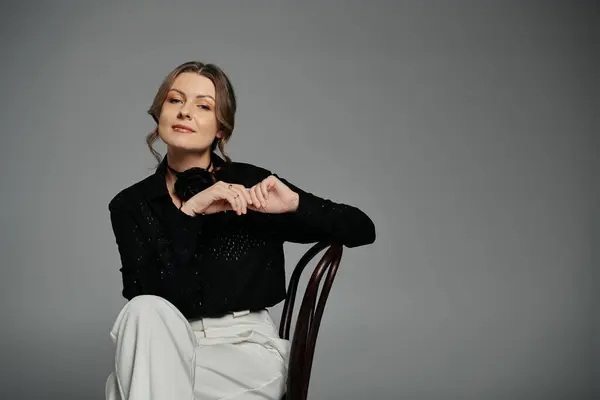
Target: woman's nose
183, 113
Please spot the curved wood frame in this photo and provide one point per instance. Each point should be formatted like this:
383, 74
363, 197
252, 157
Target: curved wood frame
309, 318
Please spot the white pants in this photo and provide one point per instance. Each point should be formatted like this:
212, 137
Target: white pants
160, 355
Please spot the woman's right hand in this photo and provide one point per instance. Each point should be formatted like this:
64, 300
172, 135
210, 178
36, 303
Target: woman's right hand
221, 196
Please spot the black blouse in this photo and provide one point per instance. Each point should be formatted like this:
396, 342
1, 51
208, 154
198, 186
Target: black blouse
209, 265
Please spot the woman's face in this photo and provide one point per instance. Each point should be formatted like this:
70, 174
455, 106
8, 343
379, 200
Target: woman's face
187, 119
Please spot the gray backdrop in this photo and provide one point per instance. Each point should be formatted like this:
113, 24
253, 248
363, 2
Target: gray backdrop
463, 128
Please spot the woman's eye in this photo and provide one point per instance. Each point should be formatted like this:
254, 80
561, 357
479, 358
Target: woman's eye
173, 100
204, 107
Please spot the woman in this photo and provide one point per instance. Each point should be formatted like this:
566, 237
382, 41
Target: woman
201, 248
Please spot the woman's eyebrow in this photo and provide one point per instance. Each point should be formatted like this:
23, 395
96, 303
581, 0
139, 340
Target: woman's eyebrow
199, 96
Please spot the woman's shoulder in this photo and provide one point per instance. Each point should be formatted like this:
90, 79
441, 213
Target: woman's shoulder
133, 193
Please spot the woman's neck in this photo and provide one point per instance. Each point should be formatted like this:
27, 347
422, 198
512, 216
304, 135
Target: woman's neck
181, 161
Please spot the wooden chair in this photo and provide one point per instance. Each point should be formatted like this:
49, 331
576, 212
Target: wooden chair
309, 317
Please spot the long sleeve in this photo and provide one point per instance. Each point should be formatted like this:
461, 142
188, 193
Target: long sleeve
318, 219
208, 265
134, 250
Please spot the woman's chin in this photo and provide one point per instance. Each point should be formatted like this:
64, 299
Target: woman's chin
187, 145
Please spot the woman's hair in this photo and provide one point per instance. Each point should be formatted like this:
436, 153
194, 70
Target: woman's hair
225, 106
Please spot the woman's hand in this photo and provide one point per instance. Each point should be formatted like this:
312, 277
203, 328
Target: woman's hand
221, 196
273, 197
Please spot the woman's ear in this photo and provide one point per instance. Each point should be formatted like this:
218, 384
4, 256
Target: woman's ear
219, 135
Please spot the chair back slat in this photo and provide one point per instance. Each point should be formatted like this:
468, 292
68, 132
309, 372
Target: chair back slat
316, 322
288, 307
309, 316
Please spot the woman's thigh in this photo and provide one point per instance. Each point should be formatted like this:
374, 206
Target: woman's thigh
249, 366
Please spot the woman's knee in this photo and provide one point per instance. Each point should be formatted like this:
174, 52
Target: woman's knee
143, 309
147, 303
151, 312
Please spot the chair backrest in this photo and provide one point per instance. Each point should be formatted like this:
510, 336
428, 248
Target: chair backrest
309, 317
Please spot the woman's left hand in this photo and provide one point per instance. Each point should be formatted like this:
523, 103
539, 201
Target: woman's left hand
272, 196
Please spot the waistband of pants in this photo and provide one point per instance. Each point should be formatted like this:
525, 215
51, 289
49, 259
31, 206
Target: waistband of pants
231, 319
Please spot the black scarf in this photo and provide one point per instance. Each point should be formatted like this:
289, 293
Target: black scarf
192, 181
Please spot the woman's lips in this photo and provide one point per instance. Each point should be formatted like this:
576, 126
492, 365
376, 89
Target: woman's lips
183, 129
